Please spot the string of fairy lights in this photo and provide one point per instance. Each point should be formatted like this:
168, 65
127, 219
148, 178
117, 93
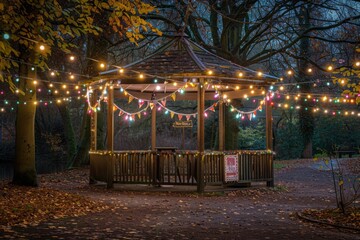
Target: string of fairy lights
68, 90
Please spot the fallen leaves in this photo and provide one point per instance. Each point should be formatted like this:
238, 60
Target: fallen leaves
26, 206
336, 217
255, 193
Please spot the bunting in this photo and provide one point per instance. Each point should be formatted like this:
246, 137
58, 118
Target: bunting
130, 99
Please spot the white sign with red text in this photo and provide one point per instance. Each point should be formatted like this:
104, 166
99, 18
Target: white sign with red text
231, 168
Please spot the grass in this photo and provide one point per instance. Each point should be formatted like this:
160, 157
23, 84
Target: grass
279, 165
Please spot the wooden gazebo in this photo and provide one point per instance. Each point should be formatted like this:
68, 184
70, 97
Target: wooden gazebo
180, 65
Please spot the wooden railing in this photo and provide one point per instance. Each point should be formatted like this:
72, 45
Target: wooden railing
177, 168
134, 167
255, 166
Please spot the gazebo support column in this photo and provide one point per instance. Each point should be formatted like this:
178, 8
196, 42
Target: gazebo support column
153, 127
93, 134
110, 138
269, 138
200, 135
221, 126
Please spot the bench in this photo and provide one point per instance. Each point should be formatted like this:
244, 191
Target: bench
340, 153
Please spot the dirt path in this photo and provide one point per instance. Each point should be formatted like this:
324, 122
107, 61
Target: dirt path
255, 213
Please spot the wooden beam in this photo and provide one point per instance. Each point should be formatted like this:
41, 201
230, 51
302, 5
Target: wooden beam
93, 123
221, 126
269, 138
153, 127
200, 115
110, 138
110, 120
189, 95
200, 135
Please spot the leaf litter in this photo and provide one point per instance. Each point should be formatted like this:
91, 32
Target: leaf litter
28, 206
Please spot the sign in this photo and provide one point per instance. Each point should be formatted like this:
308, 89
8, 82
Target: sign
231, 168
183, 124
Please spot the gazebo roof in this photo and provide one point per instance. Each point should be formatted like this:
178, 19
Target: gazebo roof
182, 61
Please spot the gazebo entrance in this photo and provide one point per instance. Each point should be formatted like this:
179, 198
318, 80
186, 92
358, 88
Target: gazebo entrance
180, 70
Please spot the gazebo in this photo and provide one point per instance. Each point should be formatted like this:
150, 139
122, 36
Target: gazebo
179, 66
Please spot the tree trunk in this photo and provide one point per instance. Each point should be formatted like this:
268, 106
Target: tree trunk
24, 168
82, 154
68, 132
306, 118
231, 130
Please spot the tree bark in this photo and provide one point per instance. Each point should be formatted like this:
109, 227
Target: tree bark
68, 132
24, 168
306, 118
82, 155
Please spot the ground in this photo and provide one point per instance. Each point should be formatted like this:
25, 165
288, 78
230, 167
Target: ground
247, 213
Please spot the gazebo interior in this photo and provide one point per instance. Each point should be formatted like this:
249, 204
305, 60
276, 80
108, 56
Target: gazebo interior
179, 70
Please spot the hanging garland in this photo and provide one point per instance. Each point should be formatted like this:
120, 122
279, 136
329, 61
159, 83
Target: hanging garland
186, 115
129, 115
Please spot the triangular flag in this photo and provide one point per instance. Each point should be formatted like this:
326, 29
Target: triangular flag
194, 115
141, 102
139, 115
188, 117
180, 116
114, 108
151, 105
173, 96
215, 104
130, 99
121, 113
212, 108
250, 116
133, 116
171, 114
163, 102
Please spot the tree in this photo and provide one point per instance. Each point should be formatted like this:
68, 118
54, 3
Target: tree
30, 30
269, 34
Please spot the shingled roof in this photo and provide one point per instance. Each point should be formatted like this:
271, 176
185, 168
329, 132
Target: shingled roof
181, 58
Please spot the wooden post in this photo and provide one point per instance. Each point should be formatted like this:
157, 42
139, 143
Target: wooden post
110, 137
153, 127
93, 135
93, 123
269, 139
221, 126
200, 135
